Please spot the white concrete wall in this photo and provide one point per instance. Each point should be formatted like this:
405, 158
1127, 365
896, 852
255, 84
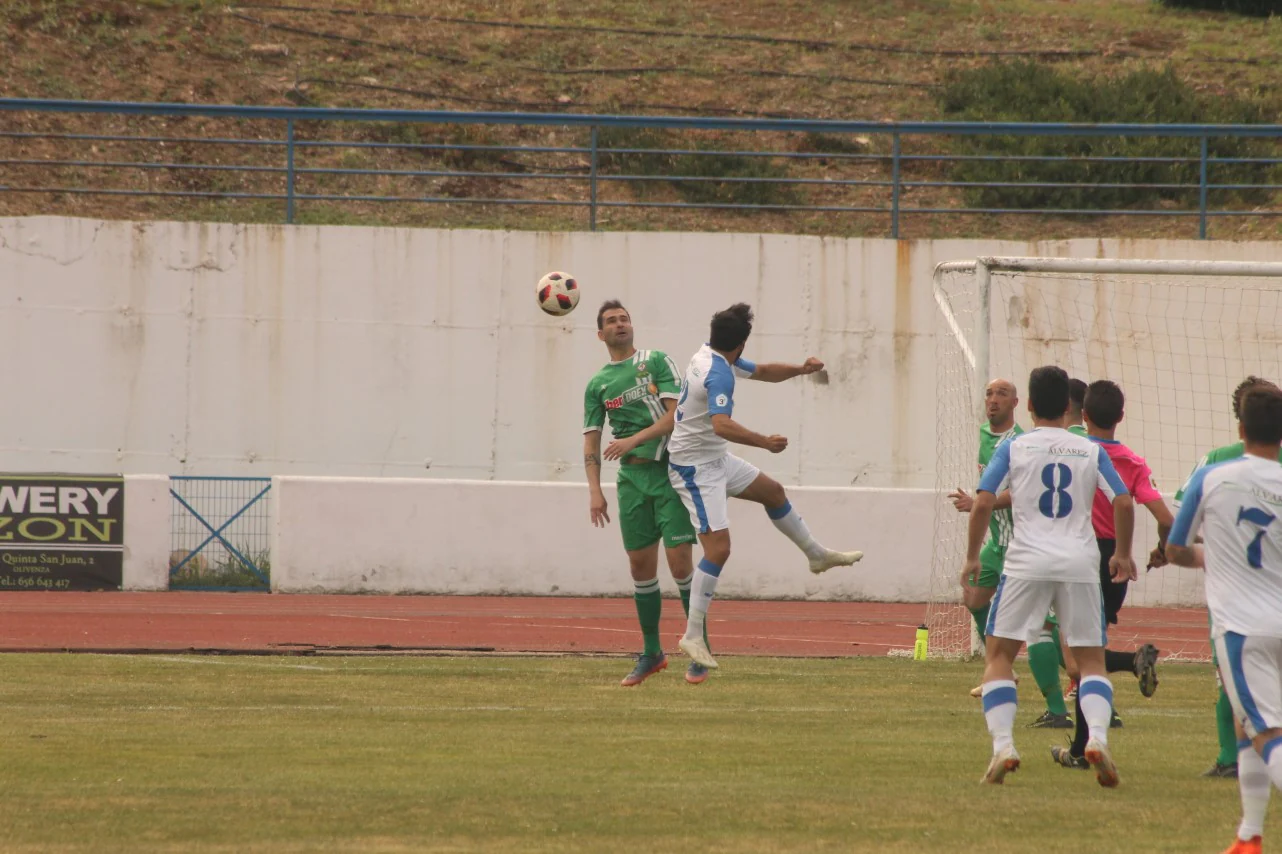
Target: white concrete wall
147, 512
419, 355
410, 535
407, 535
204, 348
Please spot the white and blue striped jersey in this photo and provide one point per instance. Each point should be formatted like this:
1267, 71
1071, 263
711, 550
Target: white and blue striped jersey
1235, 505
1052, 475
708, 390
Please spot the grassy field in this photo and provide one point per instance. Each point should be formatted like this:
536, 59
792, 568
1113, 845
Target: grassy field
159, 753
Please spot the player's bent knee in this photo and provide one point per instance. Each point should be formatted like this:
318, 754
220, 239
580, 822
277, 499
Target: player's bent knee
766, 491
680, 560
716, 546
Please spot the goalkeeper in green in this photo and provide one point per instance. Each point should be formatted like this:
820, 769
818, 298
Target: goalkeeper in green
637, 391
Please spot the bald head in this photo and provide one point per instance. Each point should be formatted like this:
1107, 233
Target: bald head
1000, 400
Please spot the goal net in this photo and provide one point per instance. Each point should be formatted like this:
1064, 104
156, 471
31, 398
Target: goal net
1177, 336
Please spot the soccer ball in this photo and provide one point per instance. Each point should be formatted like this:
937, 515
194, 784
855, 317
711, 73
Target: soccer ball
557, 293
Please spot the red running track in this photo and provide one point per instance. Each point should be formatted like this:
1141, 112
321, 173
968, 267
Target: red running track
296, 623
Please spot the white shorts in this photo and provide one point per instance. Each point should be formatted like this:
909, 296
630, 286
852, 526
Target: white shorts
1250, 670
1020, 606
705, 488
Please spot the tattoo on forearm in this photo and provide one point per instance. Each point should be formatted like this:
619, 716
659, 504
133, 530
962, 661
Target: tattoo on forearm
591, 460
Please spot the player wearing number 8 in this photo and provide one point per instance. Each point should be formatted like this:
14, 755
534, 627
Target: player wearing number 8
1052, 561
1236, 505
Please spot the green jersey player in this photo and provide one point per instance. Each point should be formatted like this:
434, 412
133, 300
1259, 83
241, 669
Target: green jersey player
1226, 762
1000, 400
637, 391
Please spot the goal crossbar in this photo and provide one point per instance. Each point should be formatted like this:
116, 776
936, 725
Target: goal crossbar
1150, 266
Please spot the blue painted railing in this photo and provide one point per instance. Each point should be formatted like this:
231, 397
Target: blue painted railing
589, 198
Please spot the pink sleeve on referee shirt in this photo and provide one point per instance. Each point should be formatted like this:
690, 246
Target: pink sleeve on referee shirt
1143, 487
1137, 476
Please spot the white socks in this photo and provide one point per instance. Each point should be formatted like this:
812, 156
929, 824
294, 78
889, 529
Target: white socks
794, 528
1253, 784
1095, 695
702, 589
999, 711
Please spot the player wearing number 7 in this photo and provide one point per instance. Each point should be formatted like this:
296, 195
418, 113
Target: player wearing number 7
1052, 560
1236, 505
705, 474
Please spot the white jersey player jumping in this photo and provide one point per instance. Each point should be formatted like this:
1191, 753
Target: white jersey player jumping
1052, 561
705, 474
1236, 505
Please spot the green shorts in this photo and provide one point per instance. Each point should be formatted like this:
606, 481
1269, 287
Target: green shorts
991, 559
650, 509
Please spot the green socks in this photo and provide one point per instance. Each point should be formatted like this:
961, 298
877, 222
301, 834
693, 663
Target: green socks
981, 619
649, 608
1224, 730
1043, 660
683, 588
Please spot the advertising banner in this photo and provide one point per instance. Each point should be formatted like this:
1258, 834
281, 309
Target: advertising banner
61, 531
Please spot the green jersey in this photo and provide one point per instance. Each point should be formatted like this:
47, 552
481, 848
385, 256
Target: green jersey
1219, 455
1003, 523
631, 394
1077, 430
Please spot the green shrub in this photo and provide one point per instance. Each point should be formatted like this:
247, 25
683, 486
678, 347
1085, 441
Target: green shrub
1025, 91
226, 572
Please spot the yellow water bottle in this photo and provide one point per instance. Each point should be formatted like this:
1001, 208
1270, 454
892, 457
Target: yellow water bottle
919, 648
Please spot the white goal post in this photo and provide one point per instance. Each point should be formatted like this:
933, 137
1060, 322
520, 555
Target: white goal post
1177, 336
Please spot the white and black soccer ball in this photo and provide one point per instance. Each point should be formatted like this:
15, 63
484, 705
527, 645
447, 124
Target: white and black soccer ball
557, 293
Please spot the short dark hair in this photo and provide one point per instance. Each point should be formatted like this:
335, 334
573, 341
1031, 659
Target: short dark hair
1104, 403
1048, 391
1077, 393
608, 305
1261, 408
1245, 386
731, 327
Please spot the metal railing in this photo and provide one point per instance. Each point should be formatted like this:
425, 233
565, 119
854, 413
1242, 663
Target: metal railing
866, 168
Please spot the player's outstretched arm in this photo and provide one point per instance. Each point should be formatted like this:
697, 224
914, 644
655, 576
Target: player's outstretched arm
732, 431
980, 515
964, 501
597, 507
619, 447
777, 372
